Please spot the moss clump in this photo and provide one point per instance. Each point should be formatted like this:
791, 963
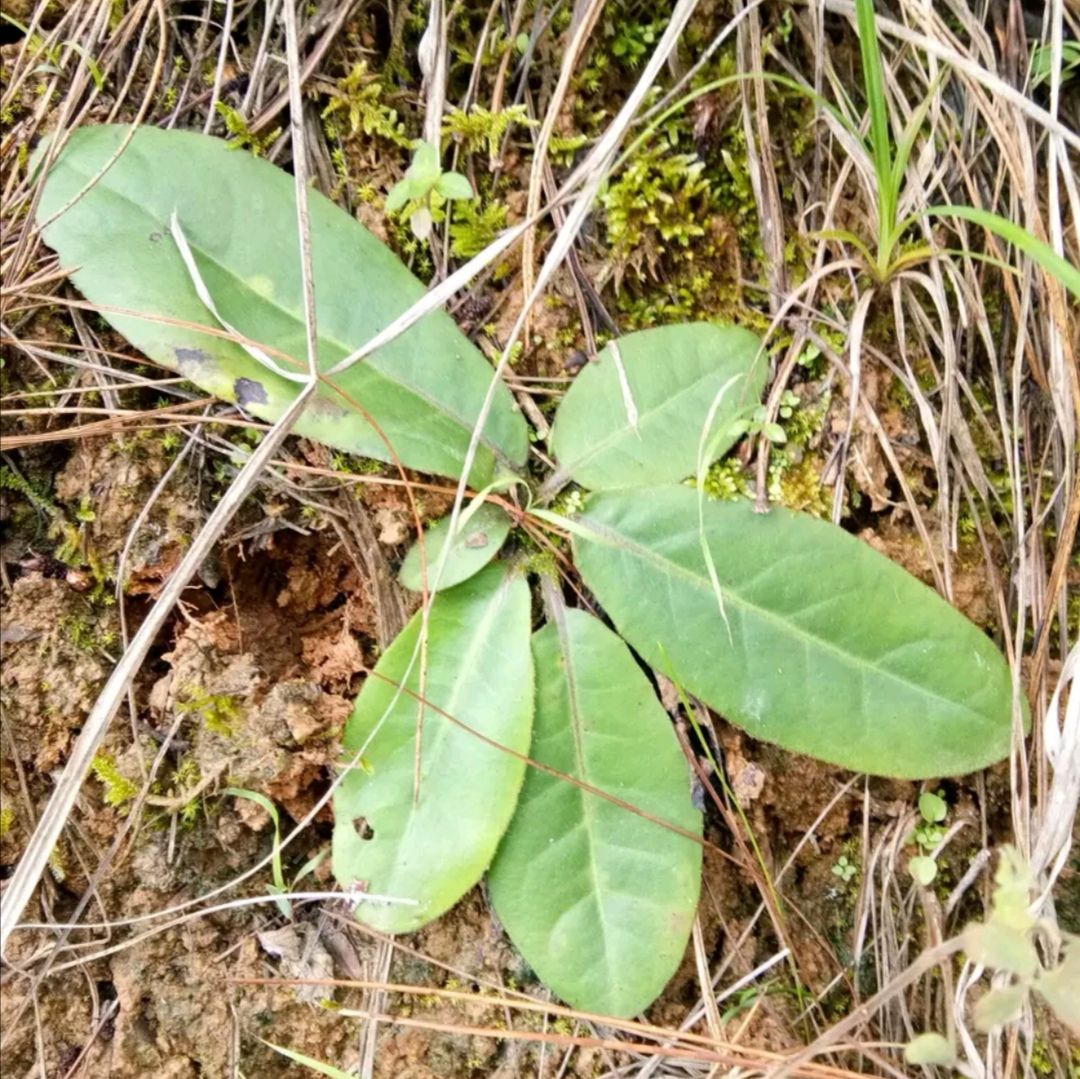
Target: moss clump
241, 137
480, 128
655, 206
119, 790
358, 98
218, 711
474, 226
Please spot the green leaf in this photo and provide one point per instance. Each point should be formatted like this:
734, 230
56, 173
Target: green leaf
452, 185
1013, 885
599, 901
640, 421
1060, 987
400, 194
479, 671
477, 542
425, 168
932, 807
1002, 947
1040, 253
923, 868
237, 214
930, 1048
1000, 1006
880, 138
813, 641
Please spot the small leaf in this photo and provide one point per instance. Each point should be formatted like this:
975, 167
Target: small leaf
479, 671
1013, 885
923, 869
817, 642
928, 1049
452, 185
600, 901
1000, 1006
1002, 947
774, 433
425, 168
1060, 987
399, 195
932, 807
236, 213
421, 222
637, 418
476, 544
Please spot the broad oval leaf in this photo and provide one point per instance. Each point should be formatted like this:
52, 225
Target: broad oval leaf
822, 645
476, 543
930, 1048
238, 216
1000, 1005
479, 671
599, 900
635, 415
1060, 987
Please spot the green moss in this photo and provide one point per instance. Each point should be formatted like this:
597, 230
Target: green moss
241, 137
35, 494
218, 711
797, 484
480, 129
119, 790
726, 480
656, 205
473, 226
358, 98
7, 819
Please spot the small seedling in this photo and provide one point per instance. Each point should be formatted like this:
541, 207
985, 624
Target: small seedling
932, 809
844, 869
1005, 944
279, 888
424, 188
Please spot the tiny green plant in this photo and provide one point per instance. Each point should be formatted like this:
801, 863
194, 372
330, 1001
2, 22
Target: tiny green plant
926, 836
1005, 946
419, 195
280, 888
482, 745
845, 869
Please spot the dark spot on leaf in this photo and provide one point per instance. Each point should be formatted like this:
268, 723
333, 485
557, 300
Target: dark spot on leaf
194, 357
155, 237
476, 540
249, 392
363, 829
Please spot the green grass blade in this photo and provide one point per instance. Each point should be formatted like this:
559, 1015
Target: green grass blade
911, 132
880, 141
1040, 253
308, 1062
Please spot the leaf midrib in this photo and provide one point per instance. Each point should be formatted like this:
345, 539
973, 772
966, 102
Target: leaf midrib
563, 637
700, 584
245, 289
492, 610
